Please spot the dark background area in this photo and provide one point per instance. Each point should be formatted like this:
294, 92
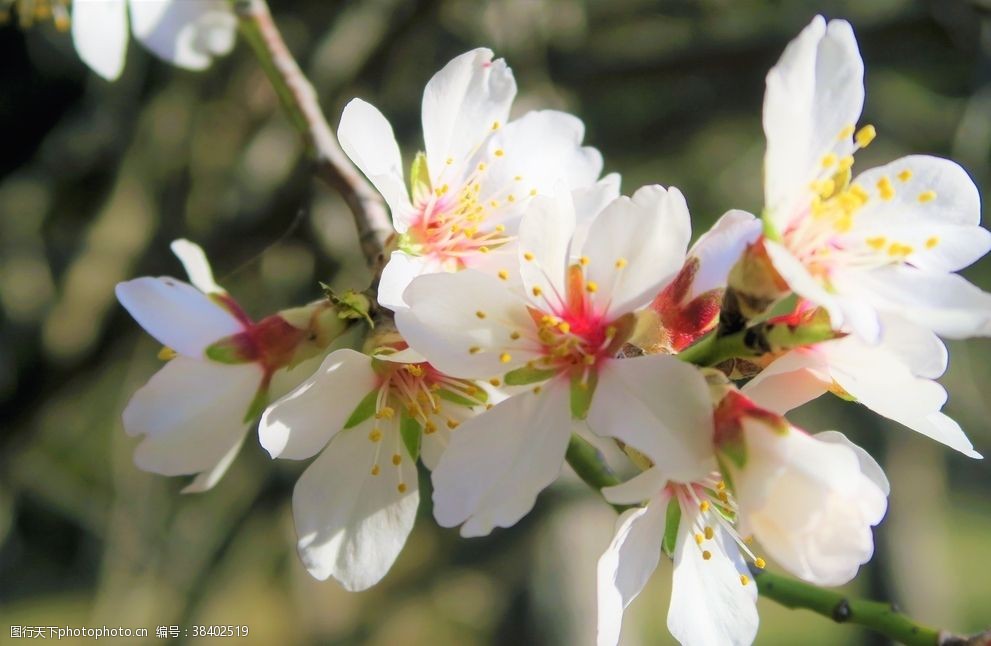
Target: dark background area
97, 178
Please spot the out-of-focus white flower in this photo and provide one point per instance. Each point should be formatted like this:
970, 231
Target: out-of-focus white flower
886, 241
186, 33
477, 174
562, 332
373, 418
810, 501
894, 378
195, 411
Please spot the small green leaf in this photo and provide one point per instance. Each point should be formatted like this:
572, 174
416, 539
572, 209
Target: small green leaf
581, 393
527, 375
412, 433
462, 400
230, 349
671, 523
364, 410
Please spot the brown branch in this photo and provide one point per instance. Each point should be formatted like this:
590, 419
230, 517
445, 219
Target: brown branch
300, 101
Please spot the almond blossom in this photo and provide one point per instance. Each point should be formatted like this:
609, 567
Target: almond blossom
185, 33
370, 418
895, 378
887, 240
561, 331
478, 171
195, 412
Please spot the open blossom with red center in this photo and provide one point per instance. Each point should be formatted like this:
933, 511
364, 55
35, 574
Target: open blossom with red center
559, 334
370, 418
884, 241
478, 172
196, 410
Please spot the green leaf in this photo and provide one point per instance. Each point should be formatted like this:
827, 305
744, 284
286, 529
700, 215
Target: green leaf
671, 523
462, 400
364, 410
527, 375
581, 394
412, 434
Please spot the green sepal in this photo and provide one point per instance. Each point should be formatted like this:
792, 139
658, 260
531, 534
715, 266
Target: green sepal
671, 522
364, 410
258, 404
581, 394
229, 350
735, 450
527, 375
770, 231
412, 434
462, 400
419, 178
725, 472
351, 305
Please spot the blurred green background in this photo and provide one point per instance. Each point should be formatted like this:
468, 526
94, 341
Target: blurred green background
97, 178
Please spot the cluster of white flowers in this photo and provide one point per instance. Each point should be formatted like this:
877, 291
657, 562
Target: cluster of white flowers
531, 303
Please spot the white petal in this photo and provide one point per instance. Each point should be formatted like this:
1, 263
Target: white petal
813, 93
637, 489
197, 266
709, 603
915, 346
720, 247
177, 314
545, 234
449, 314
672, 424
944, 232
868, 465
398, 273
789, 381
99, 32
367, 138
188, 34
627, 564
461, 103
297, 426
351, 524
191, 413
945, 303
498, 462
589, 202
648, 236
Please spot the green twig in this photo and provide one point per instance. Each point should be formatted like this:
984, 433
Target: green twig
588, 463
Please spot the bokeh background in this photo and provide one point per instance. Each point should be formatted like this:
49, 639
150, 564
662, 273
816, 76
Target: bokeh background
97, 178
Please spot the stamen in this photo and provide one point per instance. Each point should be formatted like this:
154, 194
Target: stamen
503, 274
505, 357
375, 435
706, 555
846, 132
401, 487
759, 563
396, 459
905, 175
927, 196
376, 470
932, 242
480, 314
865, 136
744, 579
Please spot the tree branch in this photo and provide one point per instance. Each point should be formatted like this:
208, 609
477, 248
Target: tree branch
791, 593
299, 99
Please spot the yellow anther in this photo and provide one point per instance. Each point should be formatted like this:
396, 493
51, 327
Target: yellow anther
591, 287
494, 204
536, 390
865, 136
401, 487
503, 274
510, 198
481, 167
589, 359
744, 579
932, 242
721, 485
474, 349
495, 382
376, 470
620, 263
722, 495
489, 406
885, 188
375, 435
704, 506
452, 424
496, 125
709, 533
483, 249
480, 314
760, 563
828, 160
533, 192
499, 228
706, 555
413, 369
386, 412
824, 188
845, 164
698, 538
536, 290
505, 357
584, 260
518, 178
905, 175
429, 428
846, 132
499, 152
449, 161
167, 353
877, 243
927, 196
527, 256
396, 459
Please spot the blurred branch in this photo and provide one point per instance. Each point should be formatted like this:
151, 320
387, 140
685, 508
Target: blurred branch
874, 615
299, 99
